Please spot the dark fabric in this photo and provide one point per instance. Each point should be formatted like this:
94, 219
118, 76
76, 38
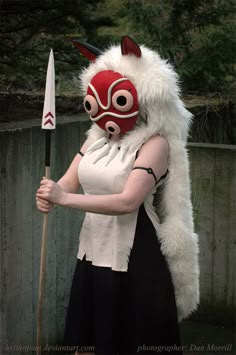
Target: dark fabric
125, 312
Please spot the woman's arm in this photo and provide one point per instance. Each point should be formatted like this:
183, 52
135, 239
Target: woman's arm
69, 182
153, 154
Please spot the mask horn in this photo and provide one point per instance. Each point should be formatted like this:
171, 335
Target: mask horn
129, 46
88, 51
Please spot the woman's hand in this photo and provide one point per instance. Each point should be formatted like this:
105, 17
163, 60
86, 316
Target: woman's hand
51, 192
43, 205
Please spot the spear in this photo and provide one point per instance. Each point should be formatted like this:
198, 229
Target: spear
48, 123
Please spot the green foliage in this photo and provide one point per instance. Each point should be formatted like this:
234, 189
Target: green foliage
29, 29
198, 37
211, 65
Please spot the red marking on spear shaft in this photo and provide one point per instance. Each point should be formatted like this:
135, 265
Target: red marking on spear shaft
49, 114
48, 121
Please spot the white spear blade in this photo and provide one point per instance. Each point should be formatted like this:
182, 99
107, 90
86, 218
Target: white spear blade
49, 112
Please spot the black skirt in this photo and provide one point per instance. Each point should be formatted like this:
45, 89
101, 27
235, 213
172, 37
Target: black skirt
125, 312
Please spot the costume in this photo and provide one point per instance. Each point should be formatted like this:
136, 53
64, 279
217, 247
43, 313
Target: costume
156, 266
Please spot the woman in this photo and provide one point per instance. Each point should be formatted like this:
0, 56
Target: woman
136, 275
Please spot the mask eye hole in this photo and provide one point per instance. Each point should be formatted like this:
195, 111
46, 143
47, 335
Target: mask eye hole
122, 100
90, 105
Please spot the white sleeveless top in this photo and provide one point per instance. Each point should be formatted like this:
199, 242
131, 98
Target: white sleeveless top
107, 240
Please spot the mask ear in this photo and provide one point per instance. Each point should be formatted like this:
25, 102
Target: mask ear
88, 51
129, 46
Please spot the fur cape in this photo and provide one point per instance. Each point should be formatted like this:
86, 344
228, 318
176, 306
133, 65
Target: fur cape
161, 112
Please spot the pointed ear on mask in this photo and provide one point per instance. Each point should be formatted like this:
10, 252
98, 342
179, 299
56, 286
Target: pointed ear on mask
129, 46
88, 51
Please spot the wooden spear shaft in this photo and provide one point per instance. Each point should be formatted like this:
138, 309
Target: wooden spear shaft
48, 123
43, 248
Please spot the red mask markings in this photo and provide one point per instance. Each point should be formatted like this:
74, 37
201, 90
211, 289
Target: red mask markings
116, 98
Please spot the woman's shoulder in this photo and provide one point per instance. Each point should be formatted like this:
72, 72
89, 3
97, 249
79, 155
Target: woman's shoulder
158, 144
157, 139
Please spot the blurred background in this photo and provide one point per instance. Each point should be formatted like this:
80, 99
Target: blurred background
198, 38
